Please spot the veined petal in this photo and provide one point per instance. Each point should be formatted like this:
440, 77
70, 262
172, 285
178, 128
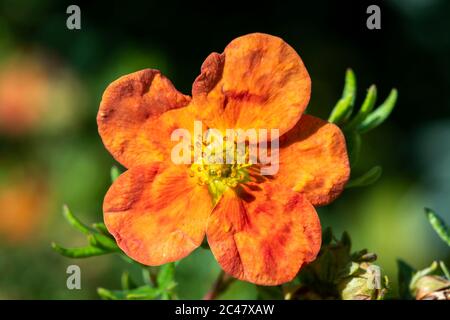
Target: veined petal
157, 213
130, 117
258, 82
264, 235
313, 160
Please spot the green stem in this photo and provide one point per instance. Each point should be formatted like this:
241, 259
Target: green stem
221, 284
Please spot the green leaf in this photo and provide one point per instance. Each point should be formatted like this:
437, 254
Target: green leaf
74, 221
344, 107
141, 293
106, 294
101, 228
444, 269
341, 110
82, 252
438, 225
166, 276
115, 173
147, 277
353, 140
350, 85
366, 179
405, 273
127, 282
366, 108
380, 114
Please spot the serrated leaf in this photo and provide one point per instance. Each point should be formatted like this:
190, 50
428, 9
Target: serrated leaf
370, 177
115, 173
127, 282
438, 225
344, 107
166, 276
380, 114
105, 242
405, 274
74, 221
366, 108
82, 252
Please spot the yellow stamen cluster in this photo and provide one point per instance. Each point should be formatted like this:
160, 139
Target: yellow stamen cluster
218, 175
228, 174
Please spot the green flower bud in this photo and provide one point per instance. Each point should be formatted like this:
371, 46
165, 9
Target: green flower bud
363, 283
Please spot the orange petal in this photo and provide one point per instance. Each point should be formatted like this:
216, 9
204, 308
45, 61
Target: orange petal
258, 82
129, 119
264, 236
157, 214
314, 160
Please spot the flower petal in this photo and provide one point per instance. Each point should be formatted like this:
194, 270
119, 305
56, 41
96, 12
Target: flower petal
314, 160
129, 118
264, 236
156, 213
258, 82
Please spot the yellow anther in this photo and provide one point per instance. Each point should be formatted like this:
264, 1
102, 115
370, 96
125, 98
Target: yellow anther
210, 169
233, 183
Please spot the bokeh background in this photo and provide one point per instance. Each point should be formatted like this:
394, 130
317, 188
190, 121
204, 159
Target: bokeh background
52, 79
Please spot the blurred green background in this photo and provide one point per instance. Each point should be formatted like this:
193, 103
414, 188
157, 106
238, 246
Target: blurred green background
52, 79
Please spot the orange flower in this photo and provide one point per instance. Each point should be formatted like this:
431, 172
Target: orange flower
260, 229
25, 203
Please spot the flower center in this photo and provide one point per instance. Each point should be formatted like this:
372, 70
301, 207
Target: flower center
218, 173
